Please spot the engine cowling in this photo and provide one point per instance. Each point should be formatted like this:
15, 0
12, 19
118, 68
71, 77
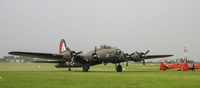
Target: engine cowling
67, 55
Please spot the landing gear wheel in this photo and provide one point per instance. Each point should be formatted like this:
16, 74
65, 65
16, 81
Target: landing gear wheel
179, 70
119, 68
69, 69
86, 68
193, 69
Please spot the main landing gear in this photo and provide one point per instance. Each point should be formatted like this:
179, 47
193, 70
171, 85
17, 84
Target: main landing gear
118, 68
86, 67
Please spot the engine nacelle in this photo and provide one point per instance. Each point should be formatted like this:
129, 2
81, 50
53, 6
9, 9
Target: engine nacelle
67, 55
135, 57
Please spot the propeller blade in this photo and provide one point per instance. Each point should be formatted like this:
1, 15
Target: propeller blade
131, 54
95, 49
126, 63
145, 56
147, 52
137, 52
79, 52
72, 61
143, 61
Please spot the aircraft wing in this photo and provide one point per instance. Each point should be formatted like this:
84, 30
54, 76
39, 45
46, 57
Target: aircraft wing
49, 56
157, 56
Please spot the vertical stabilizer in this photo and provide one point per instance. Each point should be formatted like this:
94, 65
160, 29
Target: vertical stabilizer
162, 66
63, 47
185, 67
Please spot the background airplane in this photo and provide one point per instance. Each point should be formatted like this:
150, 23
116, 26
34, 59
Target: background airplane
105, 54
165, 67
193, 67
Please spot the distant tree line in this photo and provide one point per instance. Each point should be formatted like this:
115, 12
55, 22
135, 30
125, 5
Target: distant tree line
16, 59
181, 60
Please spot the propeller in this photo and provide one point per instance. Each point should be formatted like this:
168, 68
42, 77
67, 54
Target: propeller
143, 55
128, 57
73, 55
94, 55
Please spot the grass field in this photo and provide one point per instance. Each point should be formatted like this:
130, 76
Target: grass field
30, 75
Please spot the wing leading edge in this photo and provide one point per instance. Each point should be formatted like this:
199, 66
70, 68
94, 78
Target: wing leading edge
157, 56
49, 56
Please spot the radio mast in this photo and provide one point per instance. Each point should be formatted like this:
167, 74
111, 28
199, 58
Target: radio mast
185, 53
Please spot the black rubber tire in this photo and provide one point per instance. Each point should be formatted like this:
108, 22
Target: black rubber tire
119, 68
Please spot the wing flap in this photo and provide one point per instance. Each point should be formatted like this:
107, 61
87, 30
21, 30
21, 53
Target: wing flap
49, 56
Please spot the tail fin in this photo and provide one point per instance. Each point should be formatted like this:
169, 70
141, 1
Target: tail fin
185, 67
162, 66
63, 47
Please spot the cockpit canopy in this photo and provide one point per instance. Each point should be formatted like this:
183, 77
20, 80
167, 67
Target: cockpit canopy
105, 47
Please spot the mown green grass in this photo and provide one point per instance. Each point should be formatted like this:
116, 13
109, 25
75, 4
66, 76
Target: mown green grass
24, 75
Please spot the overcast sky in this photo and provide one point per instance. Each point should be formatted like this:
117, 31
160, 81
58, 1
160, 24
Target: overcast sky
162, 26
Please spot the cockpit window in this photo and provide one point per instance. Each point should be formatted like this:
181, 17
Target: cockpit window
108, 47
105, 47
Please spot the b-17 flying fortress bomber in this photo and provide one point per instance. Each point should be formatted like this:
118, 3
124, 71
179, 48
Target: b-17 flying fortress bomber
68, 58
